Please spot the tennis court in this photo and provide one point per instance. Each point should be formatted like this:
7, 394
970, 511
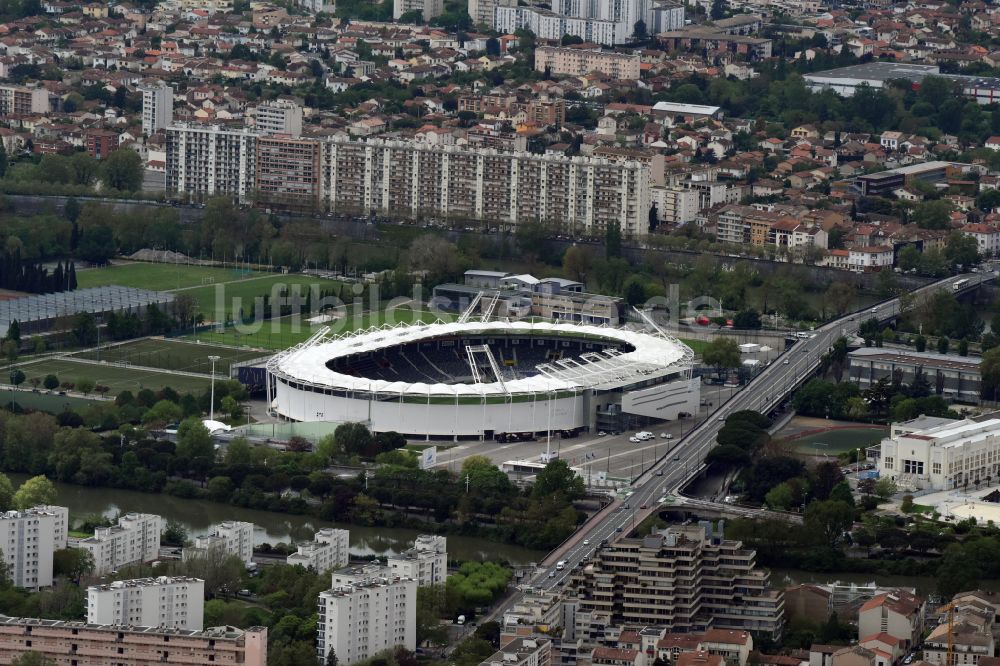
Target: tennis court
169, 354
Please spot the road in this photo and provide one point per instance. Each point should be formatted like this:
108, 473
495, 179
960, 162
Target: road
671, 473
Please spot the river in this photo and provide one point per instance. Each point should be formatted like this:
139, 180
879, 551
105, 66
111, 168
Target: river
925, 585
199, 516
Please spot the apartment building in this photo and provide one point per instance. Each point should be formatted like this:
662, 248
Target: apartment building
101, 143
898, 614
232, 537
580, 195
580, 61
687, 578
482, 11
329, 549
85, 644
426, 562
544, 110
23, 100
177, 602
317, 6
524, 651
427, 8
288, 172
701, 38
28, 540
280, 116
674, 205
209, 160
606, 22
136, 538
157, 106
366, 616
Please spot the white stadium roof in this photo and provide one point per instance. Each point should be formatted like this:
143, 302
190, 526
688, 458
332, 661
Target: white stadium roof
654, 354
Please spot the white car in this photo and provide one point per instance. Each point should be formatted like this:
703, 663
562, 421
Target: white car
785, 361
586, 542
666, 435
601, 433
634, 440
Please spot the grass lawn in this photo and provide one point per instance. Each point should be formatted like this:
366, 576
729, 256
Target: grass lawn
697, 346
834, 442
283, 333
118, 378
158, 277
170, 354
218, 300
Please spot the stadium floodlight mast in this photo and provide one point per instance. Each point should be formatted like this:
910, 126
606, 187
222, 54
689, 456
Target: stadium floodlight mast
211, 404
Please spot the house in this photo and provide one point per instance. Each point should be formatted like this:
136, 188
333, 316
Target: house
872, 258
853, 656
734, 646
888, 649
993, 143
970, 639
987, 238
699, 658
611, 656
897, 613
809, 602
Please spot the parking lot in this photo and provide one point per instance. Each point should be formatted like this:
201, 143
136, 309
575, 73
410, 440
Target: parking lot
613, 454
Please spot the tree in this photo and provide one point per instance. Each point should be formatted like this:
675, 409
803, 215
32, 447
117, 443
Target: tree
51, 382
885, 488
920, 343
72, 209
6, 493
613, 241
84, 329
747, 320
779, 497
932, 214
194, 440
74, 563
909, 258
3, 160
829, 520
35, 491
840, 296
718, 10
331, 656
122, 170
639, 30
577, 262
85, 385
942, 344
721, 354
557, 477
354, 439
17, 377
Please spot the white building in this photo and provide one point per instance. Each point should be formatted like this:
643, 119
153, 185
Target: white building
317, 6
232, 537
987, 238
279, 116
426, 562
136, 538
675, 205
28, 540
329, 549
209, 160
603, 21
365, 617
942, 456
177, 602
428, 8
157, 106
872, 258
483, 11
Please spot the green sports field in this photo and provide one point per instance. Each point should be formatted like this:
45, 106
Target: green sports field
158, 277
218, 300
117, 378
284, 333
169, 354
839, 440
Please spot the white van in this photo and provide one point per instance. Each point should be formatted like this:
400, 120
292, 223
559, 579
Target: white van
560, 565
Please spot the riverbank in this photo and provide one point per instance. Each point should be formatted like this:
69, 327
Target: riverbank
198, 516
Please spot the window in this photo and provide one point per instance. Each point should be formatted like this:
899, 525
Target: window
913, 467
889, 462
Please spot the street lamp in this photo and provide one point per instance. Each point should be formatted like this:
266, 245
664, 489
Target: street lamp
211, 404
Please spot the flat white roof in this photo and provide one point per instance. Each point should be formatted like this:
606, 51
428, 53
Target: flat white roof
676, 107
653, 355
959, 433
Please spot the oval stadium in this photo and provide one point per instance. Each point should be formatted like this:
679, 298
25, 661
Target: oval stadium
486, 379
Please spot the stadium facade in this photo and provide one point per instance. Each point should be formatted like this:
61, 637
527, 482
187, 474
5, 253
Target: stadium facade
485, 379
